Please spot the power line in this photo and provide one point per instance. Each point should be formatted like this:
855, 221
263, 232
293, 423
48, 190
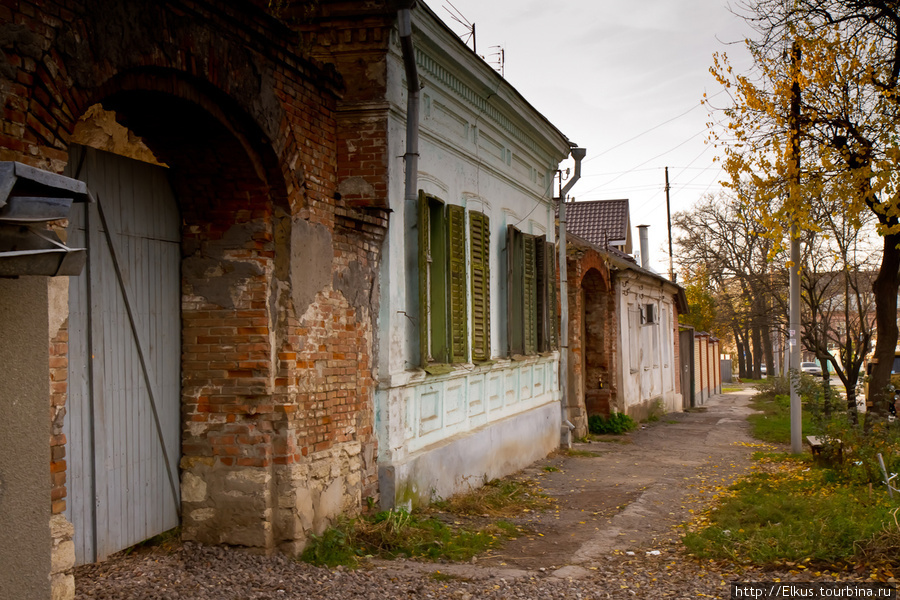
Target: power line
655, 127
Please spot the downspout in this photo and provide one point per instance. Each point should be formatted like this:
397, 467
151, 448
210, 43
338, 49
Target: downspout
411, 157
411, 165
567, 427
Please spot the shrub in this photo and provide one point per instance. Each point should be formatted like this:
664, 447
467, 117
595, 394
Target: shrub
616, 423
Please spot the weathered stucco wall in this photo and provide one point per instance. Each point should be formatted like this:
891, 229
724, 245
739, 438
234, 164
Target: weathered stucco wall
24, 431
489, 153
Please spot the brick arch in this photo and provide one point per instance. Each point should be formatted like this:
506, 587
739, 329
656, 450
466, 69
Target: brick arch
186, 121
592, 260
234, 61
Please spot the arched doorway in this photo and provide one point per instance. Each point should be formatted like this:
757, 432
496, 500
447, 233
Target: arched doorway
598, 353
178, 250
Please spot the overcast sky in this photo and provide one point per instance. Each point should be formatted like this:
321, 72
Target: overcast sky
624, 80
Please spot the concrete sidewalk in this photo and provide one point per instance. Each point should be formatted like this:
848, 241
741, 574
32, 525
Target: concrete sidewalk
631, 495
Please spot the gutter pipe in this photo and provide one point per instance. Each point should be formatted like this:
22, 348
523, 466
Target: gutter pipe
411, 157
566, 431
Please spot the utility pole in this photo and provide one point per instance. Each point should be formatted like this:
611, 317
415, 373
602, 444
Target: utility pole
794, 341
669, 220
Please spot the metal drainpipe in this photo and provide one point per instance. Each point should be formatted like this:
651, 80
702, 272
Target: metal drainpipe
567, 427
411, 158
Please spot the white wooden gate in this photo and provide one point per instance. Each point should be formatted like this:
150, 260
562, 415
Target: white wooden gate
122, 422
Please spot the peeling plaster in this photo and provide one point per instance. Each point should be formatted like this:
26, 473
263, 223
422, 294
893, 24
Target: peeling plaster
215, 277
312, 252
356, 186
353, 285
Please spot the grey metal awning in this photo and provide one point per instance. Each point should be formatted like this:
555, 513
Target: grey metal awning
28, 198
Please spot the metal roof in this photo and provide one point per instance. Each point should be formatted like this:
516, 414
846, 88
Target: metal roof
30, 197
600, 221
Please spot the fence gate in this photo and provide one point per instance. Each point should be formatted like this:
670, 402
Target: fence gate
686, 358
122, 422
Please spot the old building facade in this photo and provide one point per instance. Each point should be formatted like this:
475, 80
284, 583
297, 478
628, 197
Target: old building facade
213, 364
623, 337
250, 350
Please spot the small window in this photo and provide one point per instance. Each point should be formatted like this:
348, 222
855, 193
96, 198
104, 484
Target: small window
649, 315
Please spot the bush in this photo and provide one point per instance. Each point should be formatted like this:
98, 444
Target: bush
855, 457
616, 423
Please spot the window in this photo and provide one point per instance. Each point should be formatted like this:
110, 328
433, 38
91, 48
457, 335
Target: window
443, 283
649, 314
531, 293
443, 335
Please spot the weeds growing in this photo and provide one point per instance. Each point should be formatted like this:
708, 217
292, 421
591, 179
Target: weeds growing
616, 423
423, 534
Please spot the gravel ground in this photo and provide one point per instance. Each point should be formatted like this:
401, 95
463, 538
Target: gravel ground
197, 572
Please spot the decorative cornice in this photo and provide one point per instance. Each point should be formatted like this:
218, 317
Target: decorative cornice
454, 83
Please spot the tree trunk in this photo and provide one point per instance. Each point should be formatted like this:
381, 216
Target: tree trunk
757, 351
748, 355
885, 290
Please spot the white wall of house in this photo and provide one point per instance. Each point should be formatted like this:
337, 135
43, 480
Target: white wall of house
647, 370
481, 147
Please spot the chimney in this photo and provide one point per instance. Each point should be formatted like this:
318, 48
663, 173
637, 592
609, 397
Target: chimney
645, 246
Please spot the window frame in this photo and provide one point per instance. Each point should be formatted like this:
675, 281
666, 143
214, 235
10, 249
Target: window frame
443, 313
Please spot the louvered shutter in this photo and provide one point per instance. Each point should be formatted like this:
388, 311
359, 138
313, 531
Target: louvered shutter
529, 291
424, 287
456, 225
479, 238
553, 328
542, 294
514, 292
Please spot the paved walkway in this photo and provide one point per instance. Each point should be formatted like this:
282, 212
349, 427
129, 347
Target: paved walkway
632, 495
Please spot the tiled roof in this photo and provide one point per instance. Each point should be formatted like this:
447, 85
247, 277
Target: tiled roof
599, 220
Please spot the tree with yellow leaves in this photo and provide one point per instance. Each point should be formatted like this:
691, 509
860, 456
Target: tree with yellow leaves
849, 78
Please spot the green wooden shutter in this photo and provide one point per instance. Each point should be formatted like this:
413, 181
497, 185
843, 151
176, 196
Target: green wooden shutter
542, 294
424, 288
529, 292
479, 238
514, 291
456, 229
553, 329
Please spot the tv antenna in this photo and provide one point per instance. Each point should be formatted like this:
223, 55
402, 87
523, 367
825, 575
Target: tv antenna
497, 59
460, 18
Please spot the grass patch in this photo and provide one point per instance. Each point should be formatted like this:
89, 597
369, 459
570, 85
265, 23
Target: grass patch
579, 453
397, 533
726, 390
616, 423
792, 512
500, 498
428, 533
774, 423
551, 469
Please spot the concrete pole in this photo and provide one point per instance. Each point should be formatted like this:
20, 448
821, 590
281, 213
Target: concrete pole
794, 342
796, 416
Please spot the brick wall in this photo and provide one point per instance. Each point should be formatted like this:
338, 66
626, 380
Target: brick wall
592, 337
278, 433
